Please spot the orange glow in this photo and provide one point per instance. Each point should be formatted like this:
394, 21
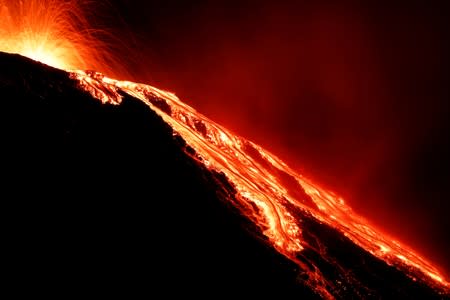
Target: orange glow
262, 195
54, 32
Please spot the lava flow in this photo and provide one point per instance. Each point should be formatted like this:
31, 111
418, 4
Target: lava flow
263, 194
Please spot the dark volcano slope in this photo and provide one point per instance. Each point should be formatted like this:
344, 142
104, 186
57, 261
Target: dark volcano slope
103, 200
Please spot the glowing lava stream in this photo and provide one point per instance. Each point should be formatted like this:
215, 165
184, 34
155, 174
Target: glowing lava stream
261, 194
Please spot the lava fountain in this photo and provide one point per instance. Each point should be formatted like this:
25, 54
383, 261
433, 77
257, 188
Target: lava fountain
57, 33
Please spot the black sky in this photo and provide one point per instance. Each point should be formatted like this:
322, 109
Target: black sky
354, 95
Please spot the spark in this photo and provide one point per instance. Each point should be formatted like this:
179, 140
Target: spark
54, 32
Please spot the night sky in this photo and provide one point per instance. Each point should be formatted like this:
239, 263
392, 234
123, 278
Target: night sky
355, 96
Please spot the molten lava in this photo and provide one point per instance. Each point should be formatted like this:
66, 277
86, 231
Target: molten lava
263, 193
55, 32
